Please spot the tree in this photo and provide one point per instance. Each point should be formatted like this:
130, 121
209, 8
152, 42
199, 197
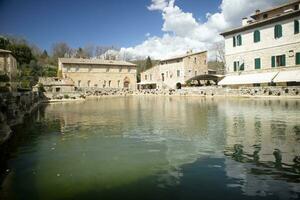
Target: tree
60, 50
4, 42
22, 53
148, 63
80, 53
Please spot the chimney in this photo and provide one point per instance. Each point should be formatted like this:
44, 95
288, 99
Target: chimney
257, 11
245, 21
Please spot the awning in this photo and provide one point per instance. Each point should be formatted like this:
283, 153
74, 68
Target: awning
287, 76
246, 79
207, 77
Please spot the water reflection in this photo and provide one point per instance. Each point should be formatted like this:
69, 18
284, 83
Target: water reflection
169, 145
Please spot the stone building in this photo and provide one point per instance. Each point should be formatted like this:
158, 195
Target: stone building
265, 50
8, 70
56, 85
174, 72
95, 73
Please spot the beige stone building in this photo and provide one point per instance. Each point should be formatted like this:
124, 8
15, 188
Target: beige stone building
265, 50
174, 72
56, 85
95, 73
8, 69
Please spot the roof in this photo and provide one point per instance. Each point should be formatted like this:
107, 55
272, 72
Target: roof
248, 79
183, 56
95, 62
263, 22
275, 8
4, 51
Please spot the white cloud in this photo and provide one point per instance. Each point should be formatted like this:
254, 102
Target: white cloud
158, 5
182, 31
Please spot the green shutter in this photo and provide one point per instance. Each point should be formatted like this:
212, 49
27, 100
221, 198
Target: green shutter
257, 63
240, 40
234, 41
256, 36
234, 66
297, 58
296, 26
278, 31
273, 61
242, 67
283, 60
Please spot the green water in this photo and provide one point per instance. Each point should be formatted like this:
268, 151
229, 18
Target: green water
156, 148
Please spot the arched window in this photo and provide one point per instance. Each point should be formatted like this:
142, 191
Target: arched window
256, 36
278, 31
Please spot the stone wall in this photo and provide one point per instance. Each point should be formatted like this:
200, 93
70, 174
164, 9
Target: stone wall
13, 108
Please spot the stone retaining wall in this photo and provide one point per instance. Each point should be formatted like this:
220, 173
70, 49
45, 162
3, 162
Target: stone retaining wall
13, 108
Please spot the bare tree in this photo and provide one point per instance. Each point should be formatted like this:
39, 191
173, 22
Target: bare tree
89, 50
60, 50
219, 48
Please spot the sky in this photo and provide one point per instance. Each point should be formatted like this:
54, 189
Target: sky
156, 28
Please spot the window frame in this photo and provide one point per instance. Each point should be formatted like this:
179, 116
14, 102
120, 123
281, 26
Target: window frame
257, 63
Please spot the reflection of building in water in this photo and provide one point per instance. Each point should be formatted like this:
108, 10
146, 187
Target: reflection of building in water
259, 184
264, 125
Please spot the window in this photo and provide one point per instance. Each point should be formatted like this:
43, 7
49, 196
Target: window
88, 83
236, 65
256, 36
167, 74
195, 60
120, 69
178, 73
239, 40
163, 77
119, 83
104, 84
77, 69
109, 83
298, 58
242, 67
278, 31
257, 63
278, 61
296, 26
150, 77
107, 69
90, 69
234, 41
145, 77
129, 69
79, 83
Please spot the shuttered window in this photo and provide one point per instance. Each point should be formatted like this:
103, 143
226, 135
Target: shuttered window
234, 41
239, 40
296, 26
278, 31
257, 63
278, 61
298, 58
242, 67
256, 36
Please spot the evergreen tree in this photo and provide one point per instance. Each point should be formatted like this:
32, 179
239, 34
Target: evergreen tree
148, 63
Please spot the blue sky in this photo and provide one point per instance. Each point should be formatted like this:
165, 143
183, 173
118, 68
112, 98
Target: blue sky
122, 23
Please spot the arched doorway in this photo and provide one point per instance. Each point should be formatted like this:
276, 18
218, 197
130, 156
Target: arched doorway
178, 86
126, 82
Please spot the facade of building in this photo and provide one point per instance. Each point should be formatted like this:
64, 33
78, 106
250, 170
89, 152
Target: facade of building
8, 69
266, 49
174, 72
95, 73
56, 85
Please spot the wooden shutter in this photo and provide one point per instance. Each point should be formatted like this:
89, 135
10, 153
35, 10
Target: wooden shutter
283, 60
296, 26
234, 66
297, 58
234, 41
257, 63
273, 61
256, 36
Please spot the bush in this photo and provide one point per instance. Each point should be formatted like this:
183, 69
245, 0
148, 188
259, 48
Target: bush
66, 96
